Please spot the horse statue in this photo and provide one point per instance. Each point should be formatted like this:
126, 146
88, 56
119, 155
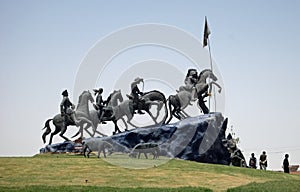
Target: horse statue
117, 108
82, 116
110, 113
196, 87
179, 102
204, 88
125, 108
155, 98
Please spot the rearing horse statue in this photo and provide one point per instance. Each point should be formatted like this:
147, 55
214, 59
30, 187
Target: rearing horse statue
204, 88
177, 103
198, 88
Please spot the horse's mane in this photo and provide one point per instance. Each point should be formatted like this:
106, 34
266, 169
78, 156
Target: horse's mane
114, 93
204, 71
153, 91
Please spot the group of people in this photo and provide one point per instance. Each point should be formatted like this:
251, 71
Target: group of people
67, 107
263, 163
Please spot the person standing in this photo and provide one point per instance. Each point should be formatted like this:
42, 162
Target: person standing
286, 164
263, 163
252, 161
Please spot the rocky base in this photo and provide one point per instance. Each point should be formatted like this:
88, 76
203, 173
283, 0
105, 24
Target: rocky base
198, 139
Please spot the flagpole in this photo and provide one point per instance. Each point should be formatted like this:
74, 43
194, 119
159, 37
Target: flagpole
205, 43
210, 60
211, 67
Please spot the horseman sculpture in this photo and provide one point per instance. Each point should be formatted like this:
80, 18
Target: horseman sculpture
136, 94
196, 87
67, 109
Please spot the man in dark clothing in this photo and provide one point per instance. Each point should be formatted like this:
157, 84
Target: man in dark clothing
252, 161
263, 163
100, 103
67, 109
286, 164
136, 93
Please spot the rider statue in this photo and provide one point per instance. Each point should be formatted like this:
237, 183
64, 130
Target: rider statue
100, 103
67, 109
190, 80
136, 95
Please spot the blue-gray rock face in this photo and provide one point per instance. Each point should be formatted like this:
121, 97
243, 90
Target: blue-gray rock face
198, 139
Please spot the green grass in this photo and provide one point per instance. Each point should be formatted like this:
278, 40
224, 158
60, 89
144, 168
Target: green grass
99, 189
67, 172
274, 186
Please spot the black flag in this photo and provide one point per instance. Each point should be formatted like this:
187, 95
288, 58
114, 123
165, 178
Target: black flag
206, 33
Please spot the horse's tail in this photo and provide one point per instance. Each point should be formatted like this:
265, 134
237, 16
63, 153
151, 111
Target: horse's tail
48, 130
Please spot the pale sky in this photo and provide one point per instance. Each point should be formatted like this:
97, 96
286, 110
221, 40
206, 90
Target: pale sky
254, 43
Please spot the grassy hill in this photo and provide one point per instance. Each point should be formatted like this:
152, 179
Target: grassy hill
63, 172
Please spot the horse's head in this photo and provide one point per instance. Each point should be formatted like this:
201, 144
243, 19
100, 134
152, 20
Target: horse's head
213, 77
115, 97
85, 97
90, 96
119, 96
207, 73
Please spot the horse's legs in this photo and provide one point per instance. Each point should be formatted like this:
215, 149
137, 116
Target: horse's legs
56, 131
160, 104
103, 135
126, 126
202, 105
182, 116
186, 115
62, 132
171, 117
84, 150
150, 103
104, 152
117, 130
170, 109
88, 154
176, 114
129, 118
88, 125
81, 131
86, 120
154, 119
129, 122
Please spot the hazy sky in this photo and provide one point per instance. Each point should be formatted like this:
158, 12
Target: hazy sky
254, 43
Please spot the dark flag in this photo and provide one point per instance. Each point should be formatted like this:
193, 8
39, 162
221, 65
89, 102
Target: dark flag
206, 33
